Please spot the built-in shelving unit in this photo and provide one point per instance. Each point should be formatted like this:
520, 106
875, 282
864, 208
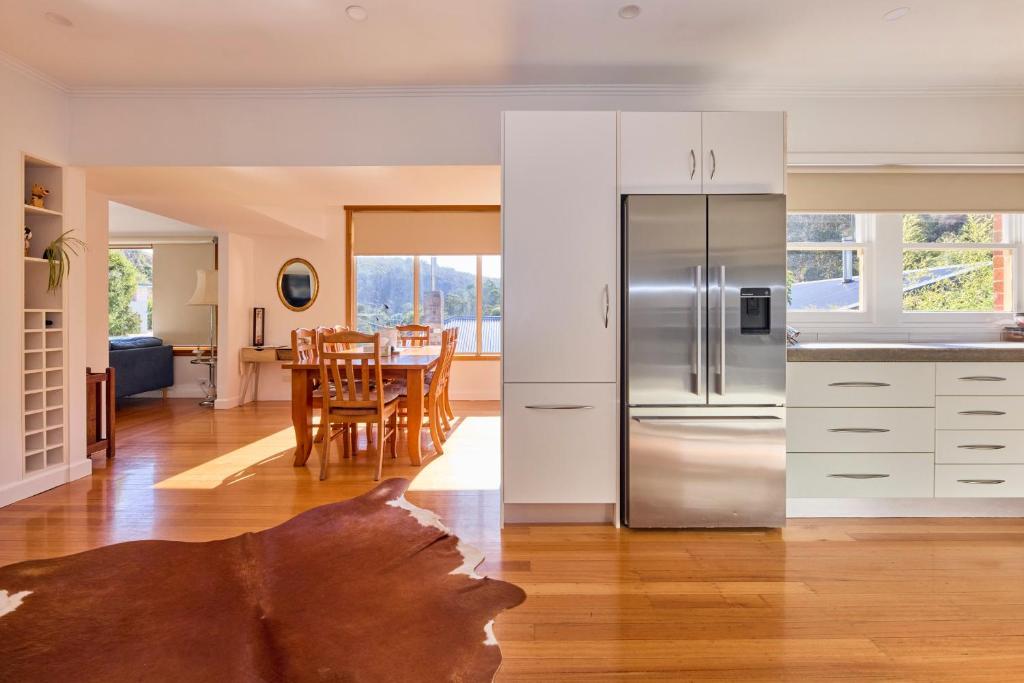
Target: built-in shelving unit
44, 345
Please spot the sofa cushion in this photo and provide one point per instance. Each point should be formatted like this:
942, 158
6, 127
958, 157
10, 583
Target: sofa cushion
122, 343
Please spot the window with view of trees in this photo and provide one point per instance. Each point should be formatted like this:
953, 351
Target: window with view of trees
824, 262
130, 292
451, 292
956, 262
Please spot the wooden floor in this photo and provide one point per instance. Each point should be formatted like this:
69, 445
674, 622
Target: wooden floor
856, 600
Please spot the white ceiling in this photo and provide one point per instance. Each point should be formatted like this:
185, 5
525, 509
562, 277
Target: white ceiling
274, 201
812, 44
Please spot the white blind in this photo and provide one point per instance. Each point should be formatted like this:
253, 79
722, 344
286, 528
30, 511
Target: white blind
913, 192
379, 233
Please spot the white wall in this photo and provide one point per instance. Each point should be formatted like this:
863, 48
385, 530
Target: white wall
34, 119
460, 126
236, 278
97, 222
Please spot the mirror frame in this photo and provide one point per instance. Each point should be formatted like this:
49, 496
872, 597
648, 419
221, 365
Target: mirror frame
316, 284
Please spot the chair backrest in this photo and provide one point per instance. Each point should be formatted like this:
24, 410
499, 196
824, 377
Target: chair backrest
451, 344
356, 375
304, 346
324, 330
413, 335
455, 335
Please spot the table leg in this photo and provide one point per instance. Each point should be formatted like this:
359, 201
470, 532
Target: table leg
302, 415
414, 384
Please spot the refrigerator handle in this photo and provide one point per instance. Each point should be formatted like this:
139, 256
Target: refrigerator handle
698, 363
721, 330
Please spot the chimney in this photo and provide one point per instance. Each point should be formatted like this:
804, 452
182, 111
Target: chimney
847, 263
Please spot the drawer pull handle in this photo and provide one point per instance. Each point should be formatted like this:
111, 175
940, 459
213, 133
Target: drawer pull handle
859, 476
982, 378
982, 481
560, 406
859, 430
982, 447
860, 385
981, 412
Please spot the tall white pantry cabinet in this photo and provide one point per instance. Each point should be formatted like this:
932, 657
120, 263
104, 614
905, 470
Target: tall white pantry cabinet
562, 176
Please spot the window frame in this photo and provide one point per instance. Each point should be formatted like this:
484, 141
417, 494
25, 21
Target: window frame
864, 233
1012, 238
131, 246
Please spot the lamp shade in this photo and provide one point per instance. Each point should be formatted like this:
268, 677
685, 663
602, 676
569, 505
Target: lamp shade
206, 289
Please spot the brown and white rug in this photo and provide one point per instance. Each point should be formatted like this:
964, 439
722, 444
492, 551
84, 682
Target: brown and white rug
369, 589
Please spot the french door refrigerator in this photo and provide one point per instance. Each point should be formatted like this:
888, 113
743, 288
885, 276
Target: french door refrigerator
704, 360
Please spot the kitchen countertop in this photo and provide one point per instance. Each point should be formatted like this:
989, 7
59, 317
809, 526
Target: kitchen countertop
906, 352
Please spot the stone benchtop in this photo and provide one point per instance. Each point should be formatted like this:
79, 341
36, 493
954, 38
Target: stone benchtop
980, 352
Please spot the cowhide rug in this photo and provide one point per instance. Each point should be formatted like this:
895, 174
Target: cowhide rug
369, 589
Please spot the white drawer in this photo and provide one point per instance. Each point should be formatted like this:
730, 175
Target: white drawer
859, 475
979, 481
980, 379
979, 412
861, 430
825, 385
979, 446
560, 443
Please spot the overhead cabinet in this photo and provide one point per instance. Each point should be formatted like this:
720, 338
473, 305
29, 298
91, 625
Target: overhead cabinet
702, 153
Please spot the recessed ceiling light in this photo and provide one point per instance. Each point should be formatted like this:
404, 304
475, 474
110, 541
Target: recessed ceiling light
629, 12
58, 19
356, 12
896, 14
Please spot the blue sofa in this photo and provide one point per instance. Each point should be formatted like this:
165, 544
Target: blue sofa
142, 364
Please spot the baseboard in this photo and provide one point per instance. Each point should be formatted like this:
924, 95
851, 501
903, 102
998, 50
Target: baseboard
559, 513
225, 403
176, 391
82, 468
905, 507
44, 481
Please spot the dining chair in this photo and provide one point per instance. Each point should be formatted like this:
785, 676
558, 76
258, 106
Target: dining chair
447, 403
360, 395
413, 335
444, 409
432, 391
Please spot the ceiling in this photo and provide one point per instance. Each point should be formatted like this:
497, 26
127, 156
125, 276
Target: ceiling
808, 44
275, 201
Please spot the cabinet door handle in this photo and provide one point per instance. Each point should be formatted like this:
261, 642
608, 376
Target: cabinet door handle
859, 430
559, 406
982, 481
714, 165
607, 305
982, 447
981, 412
982, 378
860, 384
693, 164
858, 476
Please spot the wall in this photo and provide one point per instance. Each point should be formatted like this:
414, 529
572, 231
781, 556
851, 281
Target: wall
236, 278
34, 119
460, 125
97, 223
174, 281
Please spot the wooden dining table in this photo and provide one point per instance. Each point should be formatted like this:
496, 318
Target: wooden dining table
412, 364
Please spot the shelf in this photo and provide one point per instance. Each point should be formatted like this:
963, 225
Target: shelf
43, 310
42, 212
35, 259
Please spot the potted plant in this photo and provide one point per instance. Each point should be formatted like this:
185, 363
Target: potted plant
58, 256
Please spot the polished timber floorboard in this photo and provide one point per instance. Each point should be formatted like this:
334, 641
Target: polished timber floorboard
855, 600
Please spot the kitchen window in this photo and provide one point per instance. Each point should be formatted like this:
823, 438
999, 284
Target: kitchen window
825, 262
956, 263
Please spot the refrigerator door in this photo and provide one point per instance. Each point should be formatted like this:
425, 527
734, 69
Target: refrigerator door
706, 467
747, 299
665, 271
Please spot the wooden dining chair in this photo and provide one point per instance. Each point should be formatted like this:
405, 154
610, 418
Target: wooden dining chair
444, 409
360, 395
413, 335
432, 392
447, 403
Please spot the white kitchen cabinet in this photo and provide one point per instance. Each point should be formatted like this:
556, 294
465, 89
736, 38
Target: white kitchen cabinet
560, 443
744, 152
979, 481
559, 220
860, 430
979, 412
660, 152
980, 379
862, 385
859, 475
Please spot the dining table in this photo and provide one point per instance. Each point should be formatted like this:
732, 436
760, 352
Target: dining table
411, 364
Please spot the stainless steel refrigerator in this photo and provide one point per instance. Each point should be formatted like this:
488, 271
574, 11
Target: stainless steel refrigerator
704, 360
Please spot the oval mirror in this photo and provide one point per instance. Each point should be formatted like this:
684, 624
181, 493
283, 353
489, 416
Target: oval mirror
297, 284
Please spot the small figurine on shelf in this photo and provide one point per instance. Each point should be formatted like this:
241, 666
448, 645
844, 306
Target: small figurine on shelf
28, 239
39, 195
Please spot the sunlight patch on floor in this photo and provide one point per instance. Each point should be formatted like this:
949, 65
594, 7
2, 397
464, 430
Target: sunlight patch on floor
235, 465
471, 460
